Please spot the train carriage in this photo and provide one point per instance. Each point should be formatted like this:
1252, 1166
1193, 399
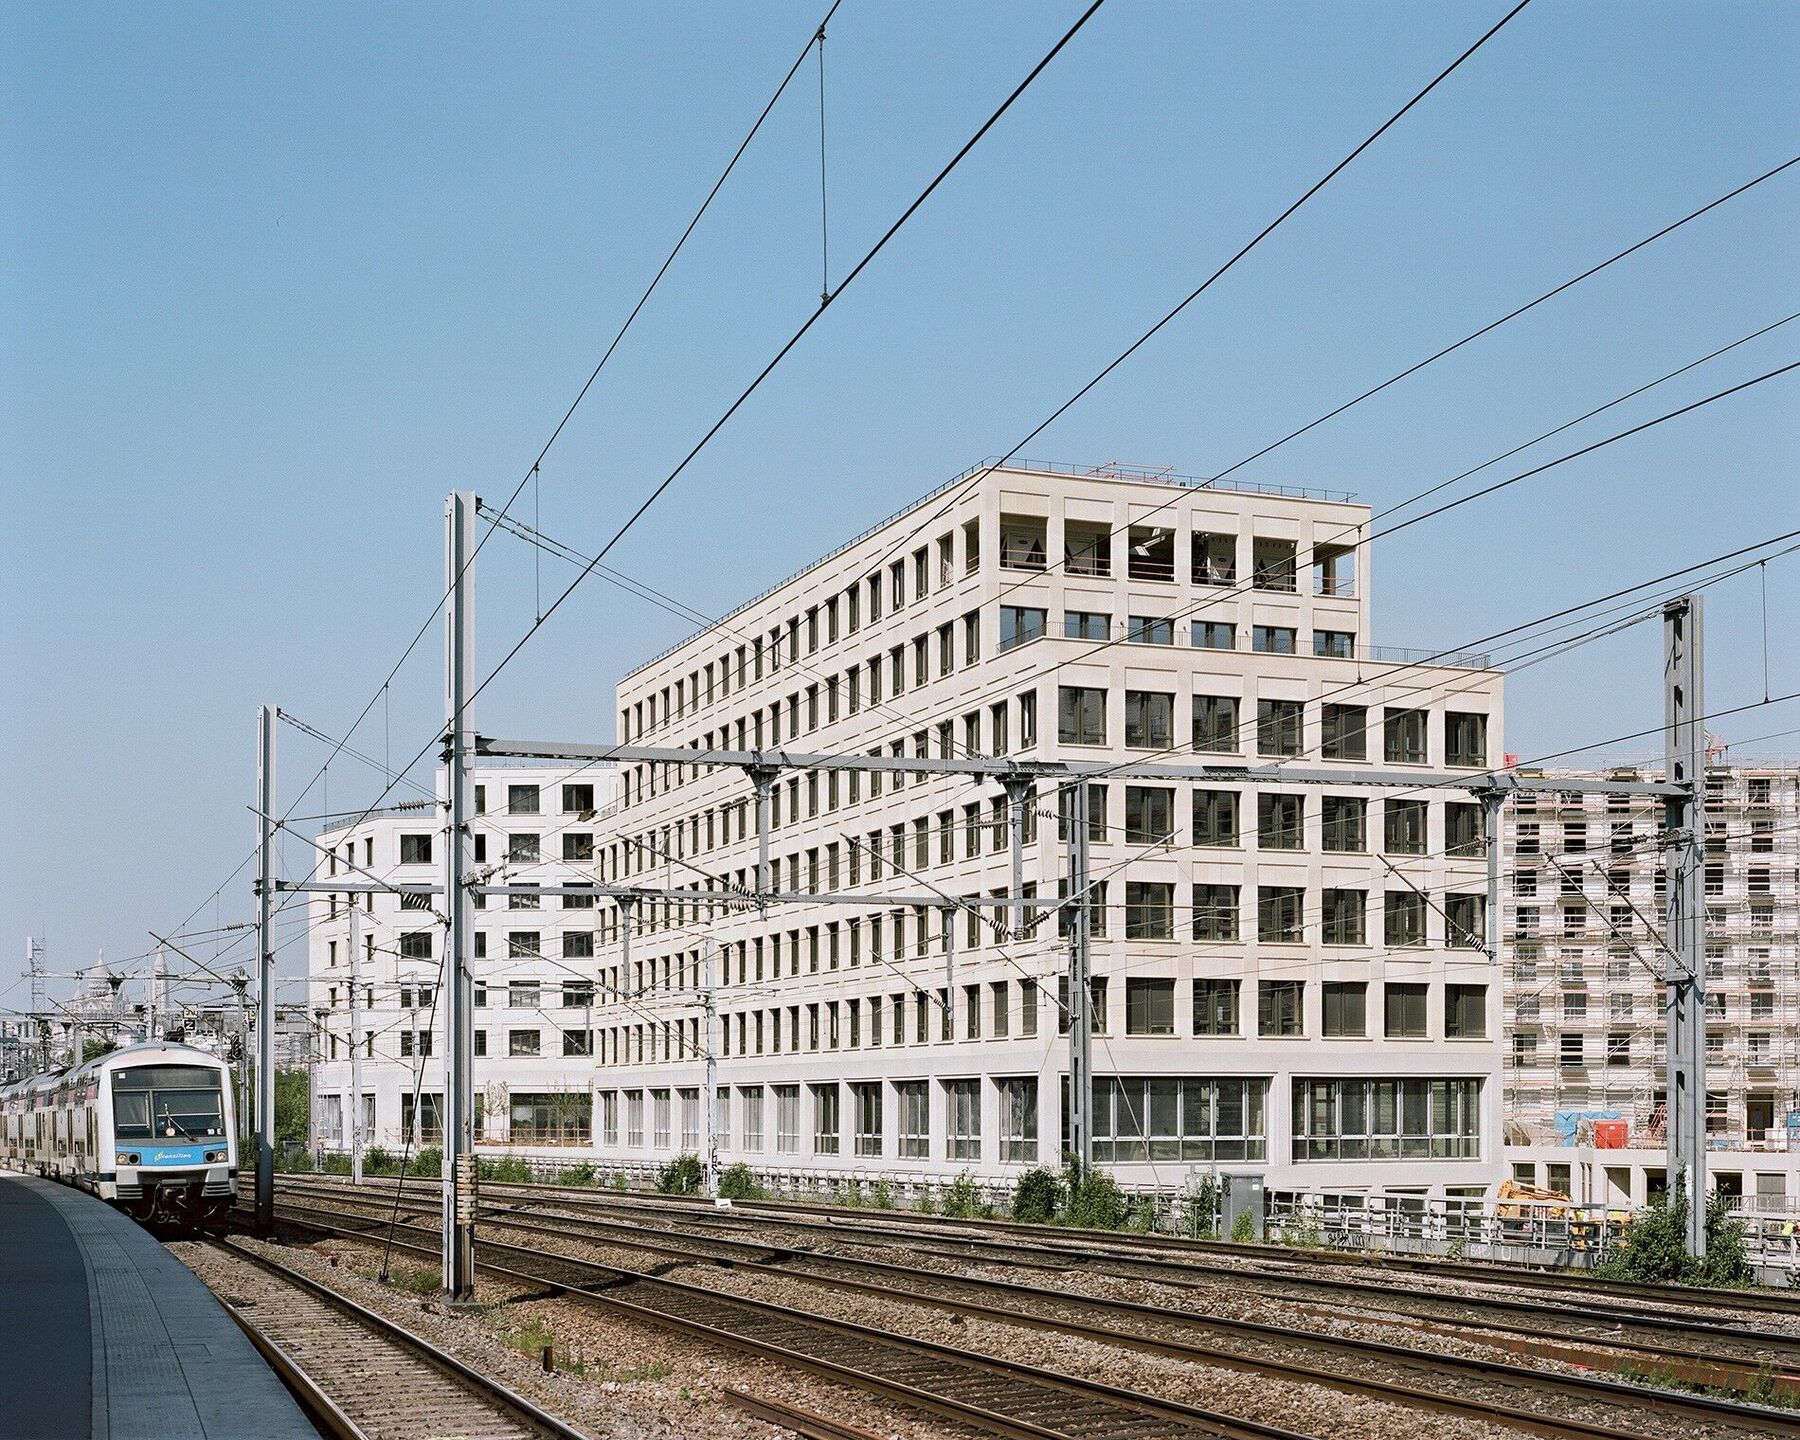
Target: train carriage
150, 1128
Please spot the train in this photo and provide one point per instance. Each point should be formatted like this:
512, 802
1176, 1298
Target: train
150, 1128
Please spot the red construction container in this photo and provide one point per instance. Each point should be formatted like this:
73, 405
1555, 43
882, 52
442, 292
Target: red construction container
1611, 1134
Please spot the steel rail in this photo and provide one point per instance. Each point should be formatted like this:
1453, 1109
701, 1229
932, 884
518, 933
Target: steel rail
920, 1373
767, 1259
483, 1386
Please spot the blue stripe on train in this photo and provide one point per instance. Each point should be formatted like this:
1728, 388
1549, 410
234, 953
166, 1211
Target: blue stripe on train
178, 1154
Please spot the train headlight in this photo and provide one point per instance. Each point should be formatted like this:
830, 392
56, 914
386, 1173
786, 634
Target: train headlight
130, 1158
217, 1157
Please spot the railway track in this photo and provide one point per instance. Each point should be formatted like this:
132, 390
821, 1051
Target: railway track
1560, 1404
358, 1375
988, 1394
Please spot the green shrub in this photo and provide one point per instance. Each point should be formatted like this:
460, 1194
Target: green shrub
1654, 1250
962, 1201
1243, 1229
926, 1204
737, 1183
1037, 1196
428, 1163
681, 1176
506, 1169
336, 1165
850, 1192
578, 1174
379, 1160
1094, 1199
617, 1182
1203, 1209
881, 1195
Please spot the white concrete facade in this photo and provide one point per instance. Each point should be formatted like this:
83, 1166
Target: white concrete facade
533, 966
1585, 1010
1243, 968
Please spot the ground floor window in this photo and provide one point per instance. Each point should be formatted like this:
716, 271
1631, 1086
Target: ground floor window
828, 1122
1177, 1118
962, 1109
1355, 1119
867, 1098
431, 1118
750, 1106
914, 1101
551, 1118
1018, 1119
787, 1119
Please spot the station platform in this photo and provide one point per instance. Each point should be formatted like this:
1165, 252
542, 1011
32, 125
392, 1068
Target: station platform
107, 1336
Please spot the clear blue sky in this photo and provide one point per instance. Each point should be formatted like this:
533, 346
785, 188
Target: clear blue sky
274, 279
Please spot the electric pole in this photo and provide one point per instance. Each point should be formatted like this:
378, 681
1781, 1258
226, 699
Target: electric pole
356, 1043
1081, 1080
459, 1016
265, 969
1684, 762
709, 1043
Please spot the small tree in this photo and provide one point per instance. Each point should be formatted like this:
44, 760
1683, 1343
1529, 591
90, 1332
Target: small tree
293, 1114
1037, 1196
1094, 1198
1655, 1251
737, 1183
681, 1176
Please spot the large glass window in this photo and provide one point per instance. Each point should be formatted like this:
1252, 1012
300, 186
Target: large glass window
1357, 1119
1149, 910
1465, 1012
1403, 734
962, 1109
1403, 917
1343, 824
1403, 826
913, 1097
1280, 821
1345, 1004
1403, 1011
1344, 732
168, 1102
1178, 1118
1341, 917
1278, 914
1281, 1007
1215, 558
1085, 625
1465, 738
828, 1120
1018, 1096
1018, 626
787, 1119
866, 1097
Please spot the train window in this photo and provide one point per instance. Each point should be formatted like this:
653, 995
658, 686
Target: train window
167, 1100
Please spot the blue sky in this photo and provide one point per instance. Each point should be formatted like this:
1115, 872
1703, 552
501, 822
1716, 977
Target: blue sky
274, 279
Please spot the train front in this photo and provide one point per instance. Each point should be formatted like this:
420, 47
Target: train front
175, 1160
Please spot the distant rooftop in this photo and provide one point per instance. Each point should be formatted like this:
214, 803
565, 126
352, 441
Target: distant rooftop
1111, 470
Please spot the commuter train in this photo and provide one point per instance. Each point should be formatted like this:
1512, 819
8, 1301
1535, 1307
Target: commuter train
149, 1128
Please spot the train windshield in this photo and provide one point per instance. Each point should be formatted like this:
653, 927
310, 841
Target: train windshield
169, 1102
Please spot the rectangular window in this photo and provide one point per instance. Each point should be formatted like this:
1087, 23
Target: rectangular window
1149, 1006
1278, 727
1343, 824
1085, 625
1081, 715
1215, 818
1150, 630
1341, 917
1280, 821
962, 1110
1346, 1008
1216, 912
1018, 1097
1278, 914
1334, 644
1403, 1011
1343, 732
521, 800
1465, 739
1216, 1007
1465, 1012
1403, 826
1149, 814
866, 1102
827, 1120
1215, 559
1377, 1119
1019, 625
1149, 719
1280, 1007
1272, 639
415, 850
1149, 910
1169, 1118
577, 799
1215, 724
1465, 925
1403, 917
521, 1042
1087, 549
1275, 567
1464, 830
1022, 542
787, 1109
1403, 737
913, 1098
1212, 635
